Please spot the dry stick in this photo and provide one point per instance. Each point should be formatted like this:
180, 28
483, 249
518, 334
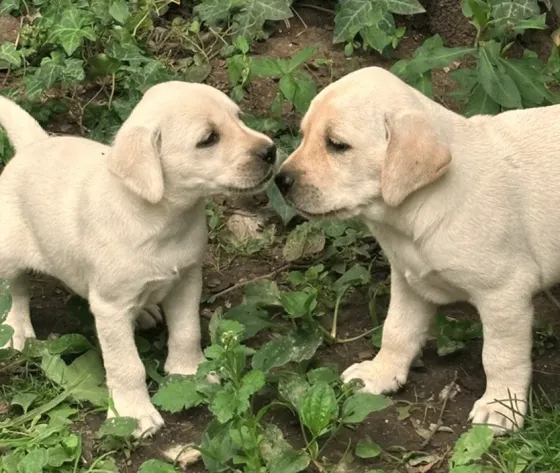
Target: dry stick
552, 299
244, 283
439, 423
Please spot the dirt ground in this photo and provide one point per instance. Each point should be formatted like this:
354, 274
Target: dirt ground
51, 313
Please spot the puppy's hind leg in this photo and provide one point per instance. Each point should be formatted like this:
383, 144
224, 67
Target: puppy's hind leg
19, 318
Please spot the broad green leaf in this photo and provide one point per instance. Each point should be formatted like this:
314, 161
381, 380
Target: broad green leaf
253, 319
225, 404
266, 67
34, 461
528, 80
72, 29
300, 57
249, 21
59, 454
24, 400
360, 405
279, 204
217, 446
495, 81
404, 7
305, 240
263, 293
272, 354
10, 54
178, 393
119, 10
306, 341
73, 70
326, 374
514, 10
298, 304
472, 445
122, 427
318, 408
356, 275
8, 6
350, 18
273, 443
289, 461
379, 29
124, 51
156, 466
5, 300
299, 90
214, 12
6, 334
367, 449
251, 383
480, 103
67, 344
292, 387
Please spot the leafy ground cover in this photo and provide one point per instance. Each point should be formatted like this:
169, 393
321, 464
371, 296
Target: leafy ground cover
287, 304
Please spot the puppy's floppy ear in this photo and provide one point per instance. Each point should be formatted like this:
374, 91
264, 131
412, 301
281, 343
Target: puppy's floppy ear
135, 158
415, 157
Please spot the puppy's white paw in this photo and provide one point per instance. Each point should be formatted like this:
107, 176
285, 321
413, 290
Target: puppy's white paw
379, 377
502, 414
149, 317
22, 331
149, 419
188, 366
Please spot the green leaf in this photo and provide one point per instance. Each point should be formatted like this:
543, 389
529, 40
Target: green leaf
472, 445
356, 275
8, 6
272, 354
305, 240
495, 81
34, 461
514, 10
69, 344
357, 407
72, 29
178, 393
350, 18
528, 80
156, 466
306, 341
24, 400
6, 334
214, 12
122, 427
298, 304
480, 103
367, 449
292, 387
119, 10
298, 90
253, 319
225, 403
318, 408
217, 446
5, 300
299, 58
59, 454
289, 461
251, 383
404, 7
10, 54
249, 21
263, 293
266, 67
279, 204
326, 374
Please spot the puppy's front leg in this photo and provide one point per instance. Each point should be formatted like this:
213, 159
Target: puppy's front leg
404, 334
507, 322
126, 376
181, 308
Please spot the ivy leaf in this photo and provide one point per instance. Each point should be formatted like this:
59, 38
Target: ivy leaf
72, 29
178, 393
318, 408
214, 12
250, 20
472, 445
122, 427
120, 11
404, 7
350, 18
514, 10
9, 6
360, 405
495, 81
10, 54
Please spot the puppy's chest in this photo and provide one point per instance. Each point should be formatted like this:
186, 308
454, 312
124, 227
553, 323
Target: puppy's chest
419, 271
158, 287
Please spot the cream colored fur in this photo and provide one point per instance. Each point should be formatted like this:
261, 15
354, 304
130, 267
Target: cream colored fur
464, 209
124, 225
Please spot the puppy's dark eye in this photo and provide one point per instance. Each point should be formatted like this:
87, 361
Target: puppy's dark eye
210, 140
337, 146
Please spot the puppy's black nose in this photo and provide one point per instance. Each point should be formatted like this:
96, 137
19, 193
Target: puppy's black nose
268, 154
284, 181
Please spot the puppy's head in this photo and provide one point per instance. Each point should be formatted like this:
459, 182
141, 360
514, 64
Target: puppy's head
366, 138
184, 138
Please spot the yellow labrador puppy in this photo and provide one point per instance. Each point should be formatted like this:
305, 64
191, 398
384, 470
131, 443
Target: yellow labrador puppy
124, 225
464, 209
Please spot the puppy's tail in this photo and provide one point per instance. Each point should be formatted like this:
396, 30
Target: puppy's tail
22, 129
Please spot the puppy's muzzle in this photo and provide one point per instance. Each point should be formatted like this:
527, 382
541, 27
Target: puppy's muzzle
284, 181
267, 154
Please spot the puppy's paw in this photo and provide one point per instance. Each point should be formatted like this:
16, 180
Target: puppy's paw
22, 332
379, 377
149, 419
149, 317
502, 414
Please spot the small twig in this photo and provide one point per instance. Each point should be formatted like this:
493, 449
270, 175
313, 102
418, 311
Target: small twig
316, 7
300, 18
244, 283
439, 422
552, 299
